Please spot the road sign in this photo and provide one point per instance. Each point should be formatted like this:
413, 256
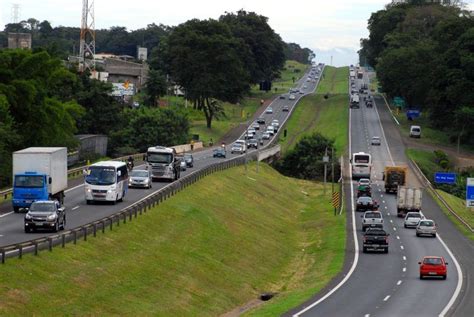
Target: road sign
470, 192
336, 200
445, 178
413, 113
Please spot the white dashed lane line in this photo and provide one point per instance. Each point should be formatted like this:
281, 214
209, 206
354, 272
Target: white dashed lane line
398, 238
404, 258
386, 298
75, 208
399, 283
404, 269
402, 247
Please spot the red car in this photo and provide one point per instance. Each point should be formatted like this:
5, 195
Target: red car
433, 266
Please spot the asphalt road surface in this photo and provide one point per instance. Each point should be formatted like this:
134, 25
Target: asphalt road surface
388, 284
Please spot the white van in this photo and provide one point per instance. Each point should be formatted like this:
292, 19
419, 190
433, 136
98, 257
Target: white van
415, 131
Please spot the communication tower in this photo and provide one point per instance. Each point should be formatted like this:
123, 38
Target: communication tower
87, 41
15, 13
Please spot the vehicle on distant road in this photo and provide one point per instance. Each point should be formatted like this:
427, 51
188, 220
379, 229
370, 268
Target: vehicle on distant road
237, 148
106, 181
164, 163
372, 219
282, 96
261, 120
266, 136
183, 165
366, 203
426, 227
355, 101
285, 109
189, 159
45, 214
292, 97
394, 176
269, 110
376, 140
255, 126
39, 173
140, 178
361, 165
412, 219
408, 200
252, 143
375, 239
433, 266
219, 152
415, 131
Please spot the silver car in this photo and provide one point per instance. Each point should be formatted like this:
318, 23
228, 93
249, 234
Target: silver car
412, 219
376, 140
140, 178
426, 227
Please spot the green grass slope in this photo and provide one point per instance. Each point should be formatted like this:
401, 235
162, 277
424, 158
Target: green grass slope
205, 251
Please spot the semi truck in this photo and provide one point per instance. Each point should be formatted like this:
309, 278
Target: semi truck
39, 173
393, 177
408, 199
163, 163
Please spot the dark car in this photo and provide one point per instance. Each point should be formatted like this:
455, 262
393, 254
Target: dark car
189, 159
220, 152
282, 96
286, 108
252, 143
365, 203
45, 214
261, 120
375, 239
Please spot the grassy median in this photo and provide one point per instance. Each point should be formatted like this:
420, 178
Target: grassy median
314, 113
210, 248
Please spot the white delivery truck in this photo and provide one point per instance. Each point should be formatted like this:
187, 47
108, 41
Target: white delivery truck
39, 173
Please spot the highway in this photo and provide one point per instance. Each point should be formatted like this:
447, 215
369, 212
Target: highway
386, 284
79, 213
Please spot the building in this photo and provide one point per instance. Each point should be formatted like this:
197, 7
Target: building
19, 40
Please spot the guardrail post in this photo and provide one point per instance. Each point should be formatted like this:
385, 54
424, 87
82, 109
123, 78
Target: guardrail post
95, 230
63, 240
124, 218
111, 223
3, 256
85, 233
135, 211
20, 251
50, 244
75, 236
36, 247
118, 221
103, 226
130, 214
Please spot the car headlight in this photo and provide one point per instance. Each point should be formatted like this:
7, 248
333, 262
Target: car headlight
51, 217
28, 216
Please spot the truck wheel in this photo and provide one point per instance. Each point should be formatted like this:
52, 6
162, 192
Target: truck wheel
385, 250
123, 195
56, 226
16, 209
417, 234
89, 202
364, 250
27, 230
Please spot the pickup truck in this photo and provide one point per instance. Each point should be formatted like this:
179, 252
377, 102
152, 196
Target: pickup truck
372, 219
375, 239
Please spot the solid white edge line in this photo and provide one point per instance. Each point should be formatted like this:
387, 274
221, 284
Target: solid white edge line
7, 214
457, 291
356, 242
383, 133
386, 102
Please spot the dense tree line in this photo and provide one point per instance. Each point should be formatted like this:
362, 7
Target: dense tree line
425, 54
295, 52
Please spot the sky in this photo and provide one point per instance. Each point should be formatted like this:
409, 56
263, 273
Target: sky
331, 28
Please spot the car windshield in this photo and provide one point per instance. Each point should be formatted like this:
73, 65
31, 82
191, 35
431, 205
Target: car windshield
375, 232
138, 173
164, 158
413, 215
219, 151
373, 215
29, 181
427, 223
432, 261
101, 175
42, 207
364, 200
188, 156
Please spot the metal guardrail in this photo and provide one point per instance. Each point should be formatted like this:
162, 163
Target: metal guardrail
443, 201
75, 172
127, 214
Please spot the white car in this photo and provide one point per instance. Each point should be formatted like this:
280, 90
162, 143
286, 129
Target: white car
364, 182
292, 97
266, 136
269, 110
412, 219
305, 86
426, 227
270, 130
376, 140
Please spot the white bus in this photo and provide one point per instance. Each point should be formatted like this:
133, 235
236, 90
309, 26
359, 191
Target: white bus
106, 181
361, 165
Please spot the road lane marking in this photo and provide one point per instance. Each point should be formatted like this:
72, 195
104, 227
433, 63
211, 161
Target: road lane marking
386, 298
75, 208
394, 229
404, 258
398, 238
399, 282
404, 269
367, 315
391, 220
402, 247
7, 214
383, 201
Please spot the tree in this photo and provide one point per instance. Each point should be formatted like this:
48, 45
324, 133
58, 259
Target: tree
203, 57
305, 160
9, 137
155, 87
464, 118
263, 52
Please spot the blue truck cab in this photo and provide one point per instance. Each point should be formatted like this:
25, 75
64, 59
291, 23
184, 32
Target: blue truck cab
28, 188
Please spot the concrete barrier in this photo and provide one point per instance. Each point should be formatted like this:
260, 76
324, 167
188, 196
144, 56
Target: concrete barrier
187, 147
271, 152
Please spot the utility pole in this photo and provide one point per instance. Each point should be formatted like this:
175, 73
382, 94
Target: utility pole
87, 39
332, 175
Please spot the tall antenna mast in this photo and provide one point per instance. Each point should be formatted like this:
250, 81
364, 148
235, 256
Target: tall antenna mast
87, 42
15, 13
